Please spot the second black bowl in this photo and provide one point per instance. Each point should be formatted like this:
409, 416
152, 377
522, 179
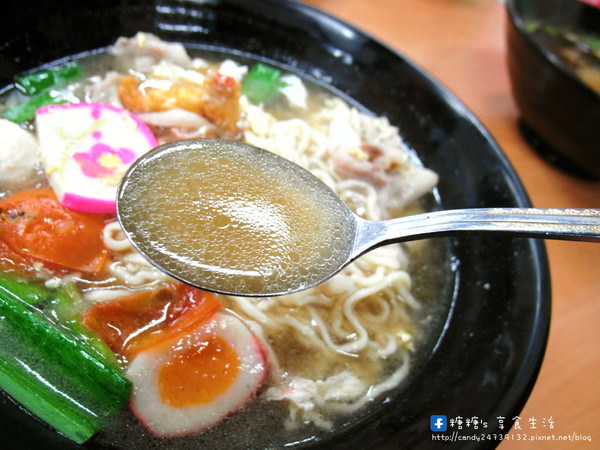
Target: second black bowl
559, 111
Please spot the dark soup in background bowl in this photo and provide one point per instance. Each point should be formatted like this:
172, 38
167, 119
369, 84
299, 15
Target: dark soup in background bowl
554, 66
453, 327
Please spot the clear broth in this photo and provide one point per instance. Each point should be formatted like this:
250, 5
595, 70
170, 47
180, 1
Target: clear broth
231, 221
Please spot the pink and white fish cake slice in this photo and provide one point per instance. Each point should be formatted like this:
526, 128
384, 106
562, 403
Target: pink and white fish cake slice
86, 149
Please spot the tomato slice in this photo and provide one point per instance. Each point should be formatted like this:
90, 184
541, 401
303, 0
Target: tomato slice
35, 226
135, 322
12, 262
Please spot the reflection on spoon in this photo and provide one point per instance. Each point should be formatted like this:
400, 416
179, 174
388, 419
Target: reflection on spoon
232, 218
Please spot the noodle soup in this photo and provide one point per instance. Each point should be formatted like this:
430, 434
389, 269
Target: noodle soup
290, 369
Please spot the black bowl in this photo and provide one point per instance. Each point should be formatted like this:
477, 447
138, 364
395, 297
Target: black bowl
560, 113
486, 353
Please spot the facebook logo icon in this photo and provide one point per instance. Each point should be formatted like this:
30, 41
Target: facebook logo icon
438, 423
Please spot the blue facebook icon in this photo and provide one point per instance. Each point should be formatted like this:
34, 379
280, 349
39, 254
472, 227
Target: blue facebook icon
438, 423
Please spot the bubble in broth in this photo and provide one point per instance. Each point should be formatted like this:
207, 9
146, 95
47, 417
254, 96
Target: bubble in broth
232, 220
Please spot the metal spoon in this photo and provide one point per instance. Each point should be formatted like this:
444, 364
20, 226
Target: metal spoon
164, 207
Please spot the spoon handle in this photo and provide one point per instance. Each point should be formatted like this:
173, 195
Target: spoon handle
567, 224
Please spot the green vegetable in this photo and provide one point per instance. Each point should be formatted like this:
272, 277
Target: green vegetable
66, 308
39, 87
63, 309
262, 83
28, 293
592, 42
52, 374
37, 82
26, 110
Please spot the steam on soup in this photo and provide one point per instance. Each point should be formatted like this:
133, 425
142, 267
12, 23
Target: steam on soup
186, 359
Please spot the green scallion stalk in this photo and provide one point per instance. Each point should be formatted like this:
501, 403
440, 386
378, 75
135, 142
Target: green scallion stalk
53, 375
26, 110
34, 83
29, 293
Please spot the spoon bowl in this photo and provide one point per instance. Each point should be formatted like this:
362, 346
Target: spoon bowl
232, 218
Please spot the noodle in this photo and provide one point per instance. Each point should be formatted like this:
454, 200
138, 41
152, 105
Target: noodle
358, 318
114, 238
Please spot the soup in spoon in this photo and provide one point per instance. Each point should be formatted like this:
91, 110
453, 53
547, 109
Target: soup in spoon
232, 218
